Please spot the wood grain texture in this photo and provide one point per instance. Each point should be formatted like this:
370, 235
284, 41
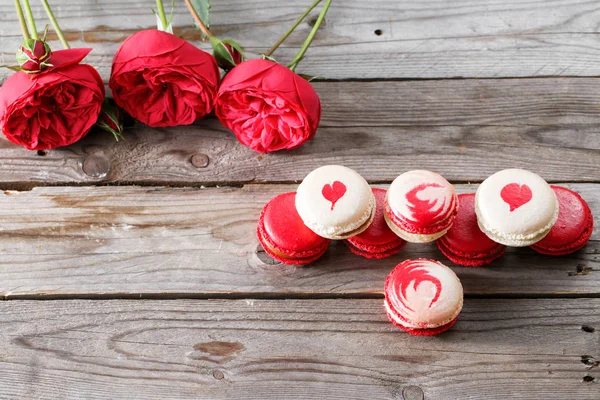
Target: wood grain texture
464, 129
334, 349
417, 39
71, 241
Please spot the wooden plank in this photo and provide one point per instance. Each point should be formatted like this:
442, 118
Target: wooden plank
464, 129
144, 241
335, 349
378, 39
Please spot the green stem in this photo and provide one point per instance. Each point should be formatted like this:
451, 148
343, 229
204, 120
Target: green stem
55, 25
289, 31
30, 20
161, 13
310, 37
22, 20
198, 20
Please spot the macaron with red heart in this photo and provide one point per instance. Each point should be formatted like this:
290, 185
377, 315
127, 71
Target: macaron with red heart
378, 240
423, 297
465, 244
335, 202
284, 236
420, 206
572, 229
515, 207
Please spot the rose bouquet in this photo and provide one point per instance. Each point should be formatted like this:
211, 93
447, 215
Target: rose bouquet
52, 100
267, 105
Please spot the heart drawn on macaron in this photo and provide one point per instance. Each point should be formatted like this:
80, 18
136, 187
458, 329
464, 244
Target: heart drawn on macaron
333, 192
516, 195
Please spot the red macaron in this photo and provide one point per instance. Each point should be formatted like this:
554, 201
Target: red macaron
572, 229
284, 236
378, 241
465, 244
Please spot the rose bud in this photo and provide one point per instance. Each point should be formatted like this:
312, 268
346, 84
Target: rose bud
110, 118
162, 80
33, 56
53, 109
267, 106
227, 53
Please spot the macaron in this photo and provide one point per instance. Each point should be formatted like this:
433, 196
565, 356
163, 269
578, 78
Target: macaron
284, 236
464, 243
515, 207
423, 297
572, 229
420, 206
335, 202
378, 240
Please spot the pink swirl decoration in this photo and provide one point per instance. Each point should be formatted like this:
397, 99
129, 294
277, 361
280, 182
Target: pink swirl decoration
425, 212
413, 274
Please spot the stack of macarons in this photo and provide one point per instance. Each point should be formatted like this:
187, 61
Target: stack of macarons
513, 207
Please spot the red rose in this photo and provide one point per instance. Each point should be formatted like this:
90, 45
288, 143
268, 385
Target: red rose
53, 108
268, 106
162, 80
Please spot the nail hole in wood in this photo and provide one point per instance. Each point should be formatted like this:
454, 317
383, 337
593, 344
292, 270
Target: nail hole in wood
587, 328
588, 378
42, 152
378, 32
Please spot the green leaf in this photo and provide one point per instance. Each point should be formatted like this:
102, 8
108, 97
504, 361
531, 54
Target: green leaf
202, 8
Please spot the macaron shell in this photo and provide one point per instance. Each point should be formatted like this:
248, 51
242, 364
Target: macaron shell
285, 229
295, 259
376, 252
334, 200
515, 207
414, 237
465, 234
470, 259
573, 227
421, 200
418, 332
378, 232
424, 293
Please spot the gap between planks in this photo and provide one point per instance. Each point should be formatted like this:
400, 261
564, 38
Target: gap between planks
273, 296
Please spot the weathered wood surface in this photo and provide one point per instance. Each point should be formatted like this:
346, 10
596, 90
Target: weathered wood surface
71, 241
295, 349
464, 129
375, 39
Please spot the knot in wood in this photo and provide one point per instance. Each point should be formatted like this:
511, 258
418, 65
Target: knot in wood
199, 160
96, 166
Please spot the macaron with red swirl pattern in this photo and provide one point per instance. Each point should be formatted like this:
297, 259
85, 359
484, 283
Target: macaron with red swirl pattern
335, 202
572, 229
284, 236
423, 297
465, 244
420, 206
378, 241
